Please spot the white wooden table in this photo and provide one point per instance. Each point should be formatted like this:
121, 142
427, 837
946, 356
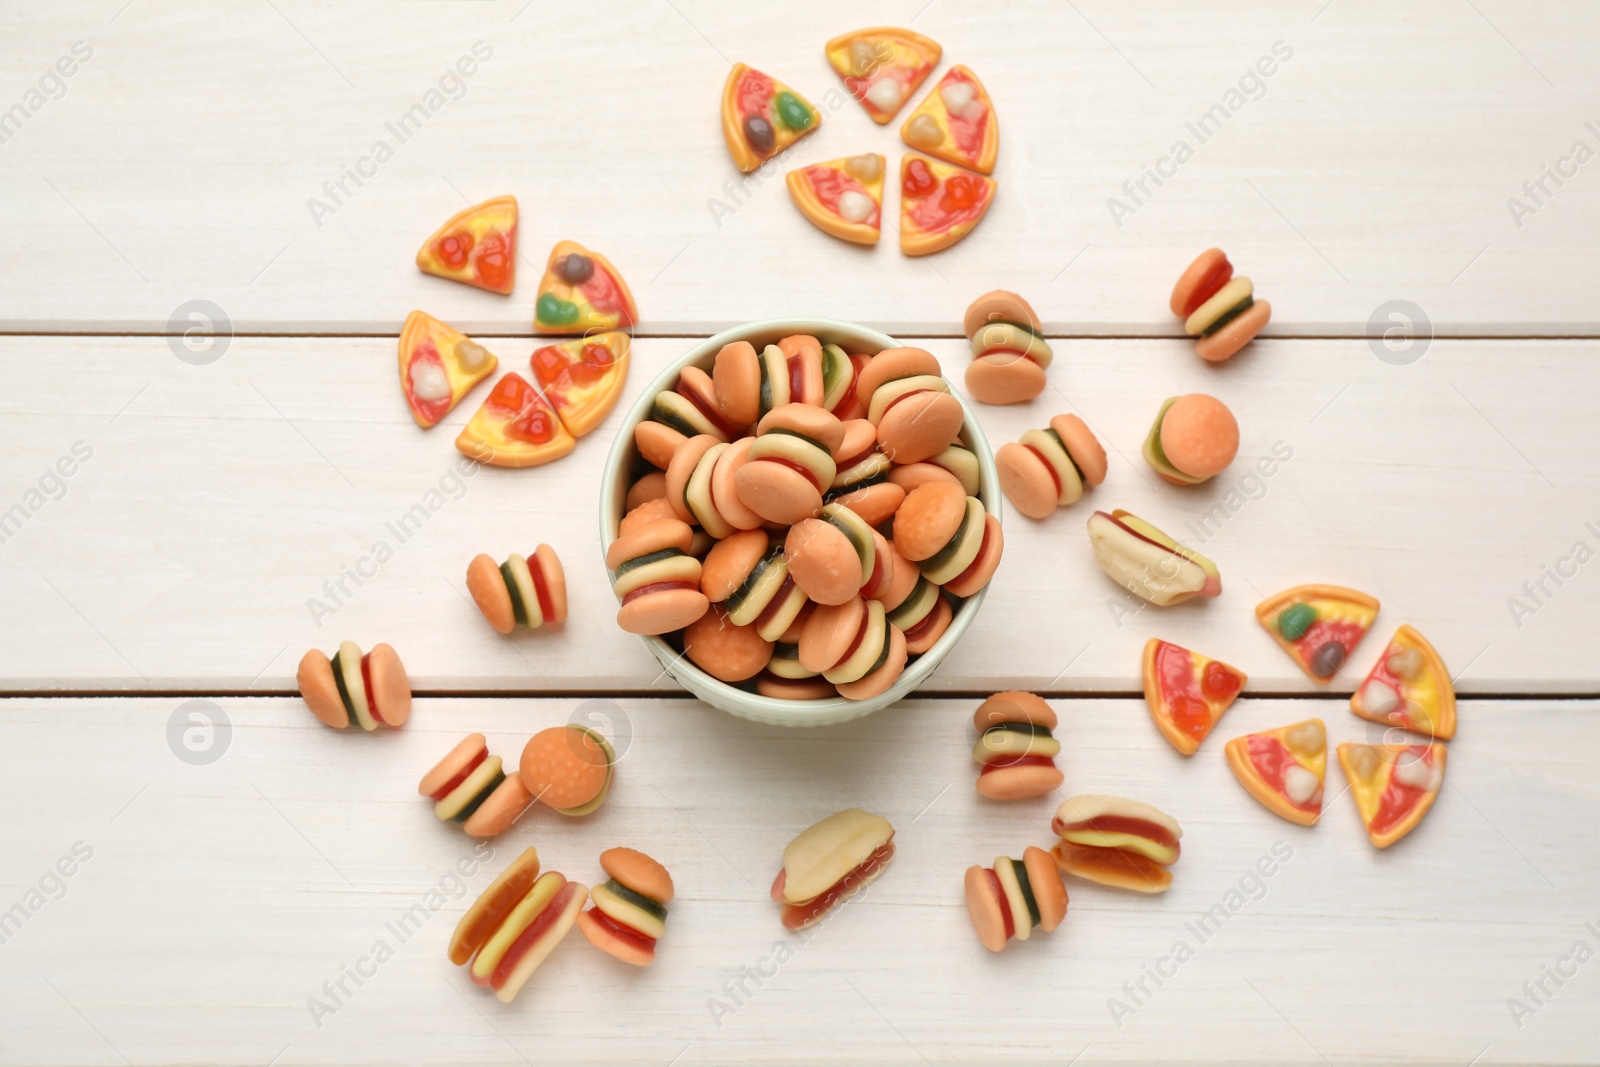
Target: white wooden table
221, 492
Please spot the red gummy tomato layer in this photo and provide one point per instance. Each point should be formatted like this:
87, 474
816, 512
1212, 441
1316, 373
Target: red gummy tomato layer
621, 931
1005, 904
796, 916
1005, 763
366, 683
462, 775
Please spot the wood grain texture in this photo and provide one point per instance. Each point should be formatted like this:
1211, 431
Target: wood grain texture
205, 542
220, 897
1376, 162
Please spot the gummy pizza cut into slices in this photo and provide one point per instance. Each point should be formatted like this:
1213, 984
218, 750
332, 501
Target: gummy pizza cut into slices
762, 116
582, 378
1284, 768
582, 292
939, 204
883, 66
1187, 692
1394, 785
477, 246
438, 366
515, 428
956, 122
1409, 687
1318, 625
842, 197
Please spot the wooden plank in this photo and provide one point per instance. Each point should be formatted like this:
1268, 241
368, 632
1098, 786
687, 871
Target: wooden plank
229, 892
218, 528
1362, 170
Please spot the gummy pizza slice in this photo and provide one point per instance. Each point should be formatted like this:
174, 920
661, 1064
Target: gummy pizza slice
1318, 625
582, 378
883, 66
478, 246
1187, 692
1409, 687
762, 116
843, 197
438, 366
515, 428
956, 122
582, 292
939, 204
1394, 785
1284, 768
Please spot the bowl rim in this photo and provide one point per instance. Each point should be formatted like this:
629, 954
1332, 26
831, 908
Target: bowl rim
723, 695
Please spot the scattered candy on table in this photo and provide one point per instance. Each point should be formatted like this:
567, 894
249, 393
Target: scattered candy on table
762, 116
1394, 785
477, 247
1409, 687
1218, 308
1016, 750
470, 787
1193, 439
582, 293
515, 924
352, 689
1049, 468
939, 204
842, 197
883, 66
1009, 352
438, 367
1117, 842
829, 862
956, 123
1009, 899
1318, 625
1187, 692
1148, 563
630, 909
568, 768
529, 592
1284, 768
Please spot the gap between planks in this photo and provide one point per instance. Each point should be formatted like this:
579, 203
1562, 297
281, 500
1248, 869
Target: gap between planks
657, 694
700, 335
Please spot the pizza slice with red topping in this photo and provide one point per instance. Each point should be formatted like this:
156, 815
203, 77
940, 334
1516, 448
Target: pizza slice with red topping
939, 204
1187, 692
956, 122
843, 197
1394, 785
515, 428
581, 292
438, 366
762, 116
1409, 687
1284, 768
582, 378
478, 246
883, 66
1318, 625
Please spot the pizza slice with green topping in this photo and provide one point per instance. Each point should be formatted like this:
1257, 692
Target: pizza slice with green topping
762, 116
1318, 625
581, 292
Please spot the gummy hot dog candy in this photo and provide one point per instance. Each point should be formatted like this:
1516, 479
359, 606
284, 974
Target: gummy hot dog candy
1049, 468
520, 591
1148, 563
515, 924
470, 787
1117, 842
352, 689
630, 909
1217, 308
1016, 749
1011, 898
829, 862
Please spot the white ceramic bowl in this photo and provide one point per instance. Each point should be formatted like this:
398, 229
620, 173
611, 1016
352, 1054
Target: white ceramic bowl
614, 489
